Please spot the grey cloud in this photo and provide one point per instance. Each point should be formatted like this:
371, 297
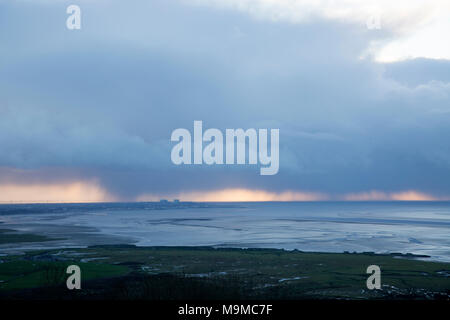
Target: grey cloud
103, 102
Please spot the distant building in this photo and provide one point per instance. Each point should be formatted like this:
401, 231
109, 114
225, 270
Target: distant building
164, 201
176, 200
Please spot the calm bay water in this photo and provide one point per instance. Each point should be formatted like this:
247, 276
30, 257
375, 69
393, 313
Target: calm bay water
382, 227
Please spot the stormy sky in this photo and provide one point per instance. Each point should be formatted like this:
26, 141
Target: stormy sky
363, 109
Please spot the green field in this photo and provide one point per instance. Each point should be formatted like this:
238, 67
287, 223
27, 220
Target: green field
129, 272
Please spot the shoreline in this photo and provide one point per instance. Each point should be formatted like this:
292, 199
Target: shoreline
28, 242
29, 248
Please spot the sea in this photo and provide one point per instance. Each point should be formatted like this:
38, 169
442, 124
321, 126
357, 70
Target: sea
419, 228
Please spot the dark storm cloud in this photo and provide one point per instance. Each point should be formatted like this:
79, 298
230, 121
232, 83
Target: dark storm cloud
102, 102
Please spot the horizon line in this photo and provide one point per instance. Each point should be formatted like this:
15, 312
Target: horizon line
196, 201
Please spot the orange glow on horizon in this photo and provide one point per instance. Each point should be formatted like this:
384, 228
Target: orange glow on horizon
239, 195
78, 191
409, 195
249, 195
91, 191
